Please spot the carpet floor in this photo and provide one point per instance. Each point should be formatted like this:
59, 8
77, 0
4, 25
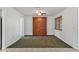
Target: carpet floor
39, 42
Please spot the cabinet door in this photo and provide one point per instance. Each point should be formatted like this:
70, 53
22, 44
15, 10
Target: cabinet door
39, 26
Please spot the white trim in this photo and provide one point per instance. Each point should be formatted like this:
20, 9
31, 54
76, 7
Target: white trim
3, 36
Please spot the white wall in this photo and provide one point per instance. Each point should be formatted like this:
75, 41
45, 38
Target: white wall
50, 25
0, 26
69, 32
78, 27
12, 26
28, 27
0, 12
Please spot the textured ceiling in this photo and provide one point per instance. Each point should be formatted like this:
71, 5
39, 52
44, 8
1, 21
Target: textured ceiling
30, 11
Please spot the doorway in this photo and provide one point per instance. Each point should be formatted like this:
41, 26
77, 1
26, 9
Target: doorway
39, 26
0, 32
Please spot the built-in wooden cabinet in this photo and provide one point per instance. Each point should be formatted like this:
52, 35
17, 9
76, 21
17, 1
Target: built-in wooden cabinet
39, 26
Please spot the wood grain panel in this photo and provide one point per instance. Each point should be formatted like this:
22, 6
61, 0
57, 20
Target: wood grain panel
39, 26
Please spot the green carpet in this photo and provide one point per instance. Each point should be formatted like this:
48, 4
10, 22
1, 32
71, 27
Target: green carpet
39, 42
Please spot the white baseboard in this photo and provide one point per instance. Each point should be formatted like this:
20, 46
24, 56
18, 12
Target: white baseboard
69, 44
5, 46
